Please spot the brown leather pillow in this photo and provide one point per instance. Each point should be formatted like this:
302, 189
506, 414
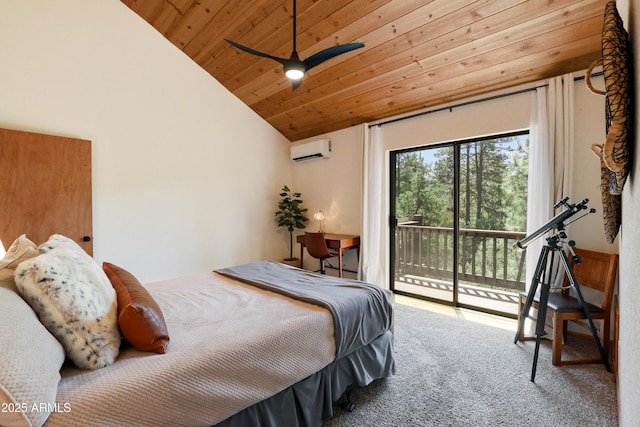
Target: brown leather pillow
139, 316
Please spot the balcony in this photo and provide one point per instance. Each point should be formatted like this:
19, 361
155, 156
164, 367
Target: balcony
490, 272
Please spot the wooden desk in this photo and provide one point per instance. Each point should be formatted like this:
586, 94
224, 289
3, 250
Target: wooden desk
338, 242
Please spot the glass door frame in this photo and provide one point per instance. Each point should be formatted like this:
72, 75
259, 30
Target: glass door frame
393, 222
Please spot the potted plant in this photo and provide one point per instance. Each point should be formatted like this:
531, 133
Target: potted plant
290, 214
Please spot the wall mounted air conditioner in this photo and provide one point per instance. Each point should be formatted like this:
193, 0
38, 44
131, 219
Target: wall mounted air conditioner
320, 149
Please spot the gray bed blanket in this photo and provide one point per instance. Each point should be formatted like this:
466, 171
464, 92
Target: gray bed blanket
361, 311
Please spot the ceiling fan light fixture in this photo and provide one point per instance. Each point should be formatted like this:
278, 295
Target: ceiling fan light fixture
294, 73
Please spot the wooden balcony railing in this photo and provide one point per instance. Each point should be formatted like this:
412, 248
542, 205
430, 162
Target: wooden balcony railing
485, 257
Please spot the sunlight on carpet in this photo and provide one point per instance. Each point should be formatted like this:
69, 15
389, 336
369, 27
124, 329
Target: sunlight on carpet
461, 313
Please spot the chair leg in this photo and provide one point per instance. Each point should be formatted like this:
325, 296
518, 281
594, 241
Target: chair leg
606, 335
558, 332
322, 267
520, 306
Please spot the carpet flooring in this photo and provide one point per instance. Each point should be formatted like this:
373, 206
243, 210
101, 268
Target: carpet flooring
452, 371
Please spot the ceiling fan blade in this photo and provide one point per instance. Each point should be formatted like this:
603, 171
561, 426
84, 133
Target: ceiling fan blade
255, 52
329, 53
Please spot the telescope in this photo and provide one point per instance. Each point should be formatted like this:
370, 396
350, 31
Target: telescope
557, 222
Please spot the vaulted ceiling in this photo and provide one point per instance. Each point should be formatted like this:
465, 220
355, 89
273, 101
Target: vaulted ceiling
417, 54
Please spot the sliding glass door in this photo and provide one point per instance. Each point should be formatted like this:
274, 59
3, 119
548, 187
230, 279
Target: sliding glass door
457, 209
423, 240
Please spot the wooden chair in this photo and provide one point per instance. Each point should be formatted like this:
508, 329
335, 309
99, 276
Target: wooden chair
596, 271
317, 248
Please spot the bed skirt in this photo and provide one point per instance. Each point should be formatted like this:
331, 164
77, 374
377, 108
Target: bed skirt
310, 401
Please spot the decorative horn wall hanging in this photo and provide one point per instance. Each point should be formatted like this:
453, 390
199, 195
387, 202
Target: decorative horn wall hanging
614, 154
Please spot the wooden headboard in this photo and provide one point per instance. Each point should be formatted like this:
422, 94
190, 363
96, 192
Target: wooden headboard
45, 188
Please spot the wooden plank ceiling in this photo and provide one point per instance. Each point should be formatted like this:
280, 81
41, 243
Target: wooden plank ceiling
417, 54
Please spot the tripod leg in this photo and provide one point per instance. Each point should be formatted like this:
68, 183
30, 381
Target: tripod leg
540, 323
542, 315
587, 315
537, 275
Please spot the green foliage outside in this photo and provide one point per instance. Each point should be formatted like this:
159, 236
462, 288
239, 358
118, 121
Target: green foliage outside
493, 185
493, 194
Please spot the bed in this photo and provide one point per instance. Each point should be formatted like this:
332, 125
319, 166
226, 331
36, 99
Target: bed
256, 344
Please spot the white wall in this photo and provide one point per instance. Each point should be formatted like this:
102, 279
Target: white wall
486, 118
333, 185
185, 176
629, 358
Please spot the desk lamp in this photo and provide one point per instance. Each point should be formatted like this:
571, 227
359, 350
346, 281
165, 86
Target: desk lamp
319, 216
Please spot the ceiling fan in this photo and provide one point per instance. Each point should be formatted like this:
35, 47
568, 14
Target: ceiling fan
294, 68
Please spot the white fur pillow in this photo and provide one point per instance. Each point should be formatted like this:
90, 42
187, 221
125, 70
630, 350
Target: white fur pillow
74, 301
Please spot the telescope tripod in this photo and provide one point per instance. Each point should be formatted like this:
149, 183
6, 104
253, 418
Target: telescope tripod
543, 277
